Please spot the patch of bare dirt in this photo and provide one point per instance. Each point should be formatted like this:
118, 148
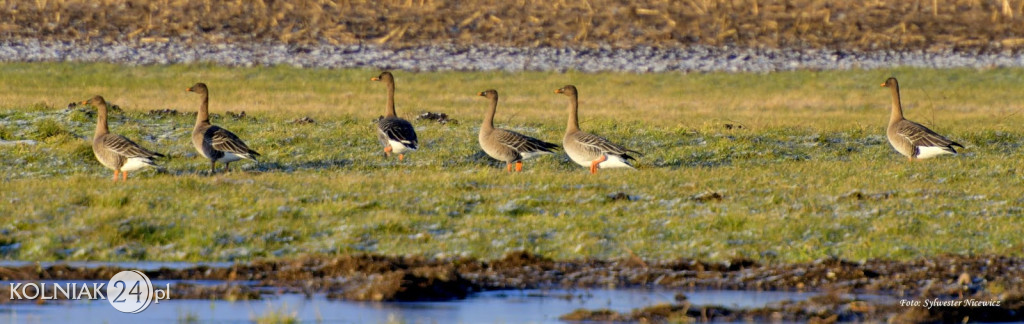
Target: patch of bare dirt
440, 118
384, 278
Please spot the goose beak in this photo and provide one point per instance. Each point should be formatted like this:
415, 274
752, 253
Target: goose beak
189, 89
480, 94
374, 79
83, 103
558, 90
883, 85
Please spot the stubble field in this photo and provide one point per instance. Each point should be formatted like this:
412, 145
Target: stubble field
933, 26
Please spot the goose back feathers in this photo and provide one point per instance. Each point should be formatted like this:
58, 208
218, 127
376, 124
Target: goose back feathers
505, 145
114, 151
587, 149
213, 142
395, 134
913, 140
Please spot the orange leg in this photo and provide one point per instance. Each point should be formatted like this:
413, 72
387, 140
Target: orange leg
124, 176
508, 166
593, 164
519, 166
115, 175
387, 151
401, 157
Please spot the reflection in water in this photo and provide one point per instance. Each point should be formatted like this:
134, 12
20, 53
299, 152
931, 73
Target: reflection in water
511, 306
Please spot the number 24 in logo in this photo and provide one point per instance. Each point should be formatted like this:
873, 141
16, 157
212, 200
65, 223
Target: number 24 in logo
132, 292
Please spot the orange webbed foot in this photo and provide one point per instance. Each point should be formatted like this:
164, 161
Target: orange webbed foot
594, 164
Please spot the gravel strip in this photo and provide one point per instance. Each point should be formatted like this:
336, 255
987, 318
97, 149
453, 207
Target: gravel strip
495, 58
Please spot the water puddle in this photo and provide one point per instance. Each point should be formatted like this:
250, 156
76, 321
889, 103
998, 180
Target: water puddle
509, 306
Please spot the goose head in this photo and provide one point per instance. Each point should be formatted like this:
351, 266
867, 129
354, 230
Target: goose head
199, 88
569, 90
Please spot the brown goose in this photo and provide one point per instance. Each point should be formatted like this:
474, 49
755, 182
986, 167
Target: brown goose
213, 142
912, 139
587, 149
395, 134
505, 145
115, 151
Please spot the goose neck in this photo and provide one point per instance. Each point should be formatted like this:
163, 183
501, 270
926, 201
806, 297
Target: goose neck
897, 106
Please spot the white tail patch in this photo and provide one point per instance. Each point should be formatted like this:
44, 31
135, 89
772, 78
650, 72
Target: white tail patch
924, 152
614, 161
229, 157
399, 147
528, 155
133, 164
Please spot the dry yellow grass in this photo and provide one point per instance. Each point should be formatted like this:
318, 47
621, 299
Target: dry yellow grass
828, 100
959, 24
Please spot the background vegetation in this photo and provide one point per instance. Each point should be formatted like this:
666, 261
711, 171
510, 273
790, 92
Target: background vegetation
836, 25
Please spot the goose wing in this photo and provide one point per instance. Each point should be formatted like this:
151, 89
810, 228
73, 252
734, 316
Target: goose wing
126, 148
522, 143
397, 129
919, 135
601, 145
225, 141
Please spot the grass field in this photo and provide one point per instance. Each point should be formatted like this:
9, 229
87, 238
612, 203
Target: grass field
808, 175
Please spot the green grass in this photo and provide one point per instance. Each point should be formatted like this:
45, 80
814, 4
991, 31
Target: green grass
809, 175
273, 315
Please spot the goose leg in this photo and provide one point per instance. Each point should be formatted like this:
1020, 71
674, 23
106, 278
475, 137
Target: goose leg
213, 167
519, 166
401, 157
508, 166
593, 164
124, 176
227, 167
115, 175
387, 151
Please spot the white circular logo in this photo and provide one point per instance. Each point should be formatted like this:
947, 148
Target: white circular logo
130, 291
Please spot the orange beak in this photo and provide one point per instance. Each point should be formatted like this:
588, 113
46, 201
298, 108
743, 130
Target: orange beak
883, 84
558, 90
374, 79
189, 89
84, 103
480, 94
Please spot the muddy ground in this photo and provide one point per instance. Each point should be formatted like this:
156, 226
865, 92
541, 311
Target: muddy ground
793, 24
382, 278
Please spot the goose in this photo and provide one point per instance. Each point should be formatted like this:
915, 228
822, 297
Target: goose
117, 152
213, 142
505, 145
587, 149
912, 139
394, 133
